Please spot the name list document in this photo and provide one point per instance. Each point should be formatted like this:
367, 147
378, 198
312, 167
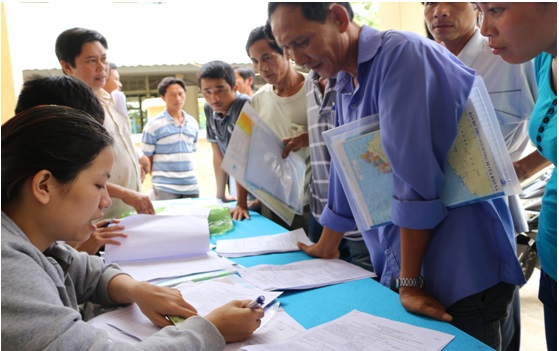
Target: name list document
284, 242
359, 331
303, 274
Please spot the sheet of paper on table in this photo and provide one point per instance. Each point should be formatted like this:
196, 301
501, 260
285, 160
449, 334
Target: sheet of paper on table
177, 267
359, 331
303, 274
204, 296
284, 242
280, 328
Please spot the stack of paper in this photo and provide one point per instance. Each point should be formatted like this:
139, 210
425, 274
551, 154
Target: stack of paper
164, 246
303, 274
359, 331
260, 245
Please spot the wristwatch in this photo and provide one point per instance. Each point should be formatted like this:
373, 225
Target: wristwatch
413, 282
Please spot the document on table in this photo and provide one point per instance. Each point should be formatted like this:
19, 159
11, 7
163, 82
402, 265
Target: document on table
359, 331
204, 296
303, 274
176, 267
260, 245
166, 246
280, 328
160, 236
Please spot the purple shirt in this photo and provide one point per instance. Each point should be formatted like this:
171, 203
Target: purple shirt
417, 90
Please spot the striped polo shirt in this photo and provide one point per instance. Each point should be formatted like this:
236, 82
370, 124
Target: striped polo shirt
172, 148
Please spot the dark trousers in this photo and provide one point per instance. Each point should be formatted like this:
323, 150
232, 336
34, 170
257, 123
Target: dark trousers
480, 314
548, 296
510, 326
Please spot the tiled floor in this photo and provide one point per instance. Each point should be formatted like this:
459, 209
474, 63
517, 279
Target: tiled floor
533, 334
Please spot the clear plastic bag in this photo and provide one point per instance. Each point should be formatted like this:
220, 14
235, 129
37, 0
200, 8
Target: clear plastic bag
219, 220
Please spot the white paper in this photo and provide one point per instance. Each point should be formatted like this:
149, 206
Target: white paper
359, 331
280, 328
303, 274
161, 236
260, 245
176, 267
204, 296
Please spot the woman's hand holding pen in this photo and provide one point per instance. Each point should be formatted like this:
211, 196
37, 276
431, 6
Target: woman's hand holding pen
235, 321
104, 234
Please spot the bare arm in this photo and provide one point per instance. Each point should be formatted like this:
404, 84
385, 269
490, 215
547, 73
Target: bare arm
220, 175
145, 166
240, 211
140, 202
413, 245
295, 143
327, 245
530, 165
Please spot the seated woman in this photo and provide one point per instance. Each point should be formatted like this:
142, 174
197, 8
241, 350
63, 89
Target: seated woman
56, 162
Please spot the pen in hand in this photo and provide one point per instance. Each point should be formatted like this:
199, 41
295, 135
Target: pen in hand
254, 304
107, 223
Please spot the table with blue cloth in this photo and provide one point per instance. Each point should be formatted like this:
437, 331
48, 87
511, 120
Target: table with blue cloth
313, 307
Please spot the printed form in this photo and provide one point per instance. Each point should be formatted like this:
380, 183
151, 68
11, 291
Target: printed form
284, 242
359, 331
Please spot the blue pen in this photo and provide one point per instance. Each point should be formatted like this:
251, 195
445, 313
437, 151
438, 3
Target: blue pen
107, 223
254, 304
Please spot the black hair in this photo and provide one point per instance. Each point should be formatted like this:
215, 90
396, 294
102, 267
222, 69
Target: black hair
60, 139
313, 11
59, 90
247, 73
166, 82
259, 33
218, 70
69, 43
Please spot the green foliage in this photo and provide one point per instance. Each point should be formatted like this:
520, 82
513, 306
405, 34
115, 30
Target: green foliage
366, 13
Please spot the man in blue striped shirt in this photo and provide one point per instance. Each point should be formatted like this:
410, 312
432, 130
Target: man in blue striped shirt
169, 140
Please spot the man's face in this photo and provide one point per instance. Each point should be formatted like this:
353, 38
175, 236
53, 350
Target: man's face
271, 65
91, 65
316, 46
113, 81
174, 97
245, 85
218, 94
450, 21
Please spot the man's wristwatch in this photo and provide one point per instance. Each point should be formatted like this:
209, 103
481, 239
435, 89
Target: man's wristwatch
413, 282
